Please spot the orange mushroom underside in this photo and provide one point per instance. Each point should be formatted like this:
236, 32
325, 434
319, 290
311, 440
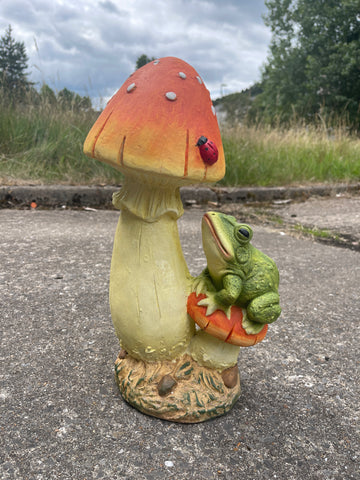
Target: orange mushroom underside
218, 325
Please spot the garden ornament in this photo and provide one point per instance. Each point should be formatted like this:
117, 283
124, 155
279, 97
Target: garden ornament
160, 130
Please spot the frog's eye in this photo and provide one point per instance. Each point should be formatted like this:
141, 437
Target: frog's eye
243, 233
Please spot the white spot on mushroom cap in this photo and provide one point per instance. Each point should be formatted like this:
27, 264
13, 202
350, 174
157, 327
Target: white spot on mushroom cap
131, 87
199, 80
170, 96
213, 109
182, 75
156, 62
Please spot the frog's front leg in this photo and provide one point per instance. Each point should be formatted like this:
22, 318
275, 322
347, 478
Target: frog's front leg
265, 308
226, 297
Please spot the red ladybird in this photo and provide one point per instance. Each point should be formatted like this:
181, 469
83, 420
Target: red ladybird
208, 150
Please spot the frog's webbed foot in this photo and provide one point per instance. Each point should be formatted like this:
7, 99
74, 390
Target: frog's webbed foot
212, 305
202, 284
250, 327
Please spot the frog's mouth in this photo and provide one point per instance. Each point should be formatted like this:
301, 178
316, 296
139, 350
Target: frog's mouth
218, 241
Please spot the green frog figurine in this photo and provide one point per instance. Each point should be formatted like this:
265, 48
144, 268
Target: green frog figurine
237, 273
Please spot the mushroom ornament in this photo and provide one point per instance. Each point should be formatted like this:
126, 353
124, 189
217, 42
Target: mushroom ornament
160, 130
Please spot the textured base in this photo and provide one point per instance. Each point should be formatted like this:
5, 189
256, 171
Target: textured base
179, 391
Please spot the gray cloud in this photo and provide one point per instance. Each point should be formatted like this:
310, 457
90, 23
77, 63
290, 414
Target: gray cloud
109, 6
91, 46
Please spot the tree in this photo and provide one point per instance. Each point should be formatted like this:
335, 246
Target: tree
236, 107
47, 95
314, 62
69, 100
13, 66
66, 99
143, 60
82, 103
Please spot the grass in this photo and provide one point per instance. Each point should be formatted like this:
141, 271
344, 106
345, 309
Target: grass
316, 232
43, 144
272, 156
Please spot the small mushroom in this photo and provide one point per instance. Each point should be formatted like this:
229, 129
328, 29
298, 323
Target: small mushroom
220, 338
152, 138
229, 330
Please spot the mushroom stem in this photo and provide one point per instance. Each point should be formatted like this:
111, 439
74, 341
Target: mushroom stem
149, 278
149, 197
211, 352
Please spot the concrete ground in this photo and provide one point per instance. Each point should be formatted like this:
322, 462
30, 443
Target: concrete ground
333, 219
62, 416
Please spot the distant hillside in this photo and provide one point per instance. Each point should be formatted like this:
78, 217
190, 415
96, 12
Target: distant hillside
235, 106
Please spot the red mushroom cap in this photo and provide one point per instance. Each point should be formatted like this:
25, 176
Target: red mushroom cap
152, 124
218, 325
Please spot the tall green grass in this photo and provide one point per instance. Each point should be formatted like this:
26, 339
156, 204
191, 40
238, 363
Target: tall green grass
267, 156
43, 144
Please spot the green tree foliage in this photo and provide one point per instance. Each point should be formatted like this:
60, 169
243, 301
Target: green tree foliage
237, 106
47, 95
69, 100
13, 66
314, 62
143, 60
16, 89
66, 99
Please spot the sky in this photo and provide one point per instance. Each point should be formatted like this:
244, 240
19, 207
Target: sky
91, 46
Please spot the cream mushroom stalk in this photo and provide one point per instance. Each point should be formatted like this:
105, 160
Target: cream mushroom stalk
212, 352
149, 131
149, 279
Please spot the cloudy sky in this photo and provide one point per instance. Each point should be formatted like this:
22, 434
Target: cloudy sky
91, 46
